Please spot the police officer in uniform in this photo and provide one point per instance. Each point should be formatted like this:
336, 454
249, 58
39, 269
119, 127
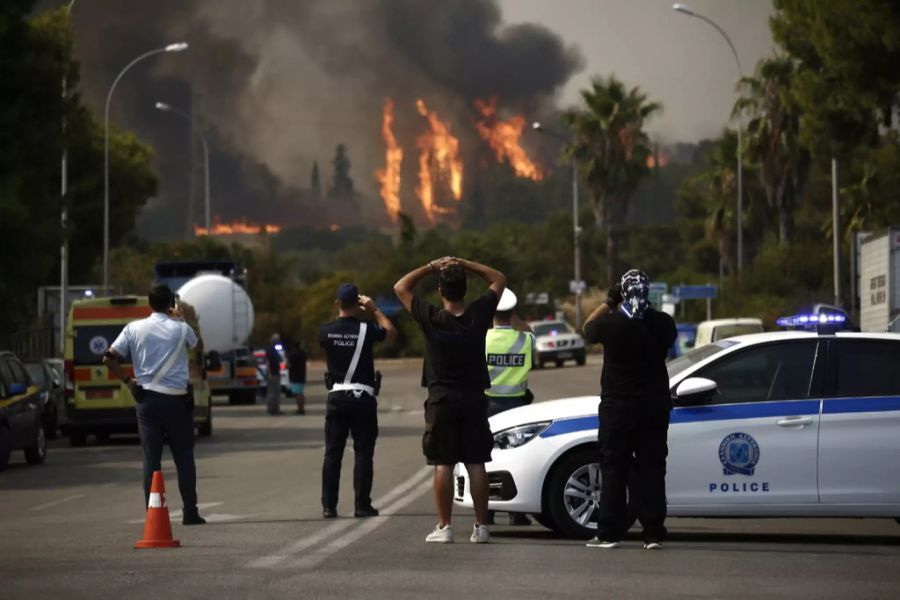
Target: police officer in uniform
352, 389
157, 347
634, 409
509, 352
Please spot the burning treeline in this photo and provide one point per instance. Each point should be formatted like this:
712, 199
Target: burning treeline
440, 165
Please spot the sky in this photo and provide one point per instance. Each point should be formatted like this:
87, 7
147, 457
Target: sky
678, 60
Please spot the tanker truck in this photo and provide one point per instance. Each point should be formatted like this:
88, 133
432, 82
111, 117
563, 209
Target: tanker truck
214, 288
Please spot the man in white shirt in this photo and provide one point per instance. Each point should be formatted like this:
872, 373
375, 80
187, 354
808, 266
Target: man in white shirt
158, 346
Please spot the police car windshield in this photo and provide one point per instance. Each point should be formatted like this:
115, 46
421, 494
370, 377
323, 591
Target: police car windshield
553, 328
677, 365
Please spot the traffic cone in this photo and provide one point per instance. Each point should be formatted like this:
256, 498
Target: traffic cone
157, 528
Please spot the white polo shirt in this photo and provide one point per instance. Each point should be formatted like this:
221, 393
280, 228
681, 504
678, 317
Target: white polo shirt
149, 343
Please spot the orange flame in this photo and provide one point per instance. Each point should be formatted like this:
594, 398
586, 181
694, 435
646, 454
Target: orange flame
504, 136
659, 160
240, 226
438, 150
389, 177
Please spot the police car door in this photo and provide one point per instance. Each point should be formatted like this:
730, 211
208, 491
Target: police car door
754, 442
860, 432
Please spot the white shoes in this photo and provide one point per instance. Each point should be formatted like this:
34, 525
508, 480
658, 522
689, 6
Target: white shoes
441, 535
601, 543
480, 534
653, 546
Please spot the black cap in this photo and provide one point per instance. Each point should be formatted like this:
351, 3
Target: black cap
347, 293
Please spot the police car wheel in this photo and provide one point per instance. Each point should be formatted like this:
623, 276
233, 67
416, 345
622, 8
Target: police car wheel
37, 452
5, 446
580, 360
573, 493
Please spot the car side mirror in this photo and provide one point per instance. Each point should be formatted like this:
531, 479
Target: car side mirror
17, 388
213, 361
695, 390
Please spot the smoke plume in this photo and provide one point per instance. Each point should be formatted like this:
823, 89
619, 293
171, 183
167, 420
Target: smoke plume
277, 84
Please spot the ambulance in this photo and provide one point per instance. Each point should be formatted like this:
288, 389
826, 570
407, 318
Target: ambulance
97, 402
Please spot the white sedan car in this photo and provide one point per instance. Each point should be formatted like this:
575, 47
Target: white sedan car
777, 424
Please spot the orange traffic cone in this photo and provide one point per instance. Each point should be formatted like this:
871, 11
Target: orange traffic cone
157, 529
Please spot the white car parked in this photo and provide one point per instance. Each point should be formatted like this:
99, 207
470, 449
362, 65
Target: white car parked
774, 424
556, 341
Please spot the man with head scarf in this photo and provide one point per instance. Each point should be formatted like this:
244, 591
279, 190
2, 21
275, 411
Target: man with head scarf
634, 409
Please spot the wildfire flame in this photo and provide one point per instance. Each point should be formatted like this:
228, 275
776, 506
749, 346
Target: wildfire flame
240, 226
503, 137
438, 150
389, 177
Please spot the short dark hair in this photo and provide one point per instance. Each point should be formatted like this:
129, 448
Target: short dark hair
503, 315
161, 298
452, 283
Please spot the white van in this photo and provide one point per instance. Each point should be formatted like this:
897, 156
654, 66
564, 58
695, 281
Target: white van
719, 329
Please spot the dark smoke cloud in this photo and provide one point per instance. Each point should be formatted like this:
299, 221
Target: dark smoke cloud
279, 83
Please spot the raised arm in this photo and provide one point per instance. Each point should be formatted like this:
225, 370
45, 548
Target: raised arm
496, 280
406, 285
380, 318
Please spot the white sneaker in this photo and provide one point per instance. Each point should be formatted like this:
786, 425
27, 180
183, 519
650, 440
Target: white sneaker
652, 546
480, 534
598, 543
441, 535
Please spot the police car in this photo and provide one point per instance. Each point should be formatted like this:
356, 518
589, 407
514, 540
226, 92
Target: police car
556, 341
780, 424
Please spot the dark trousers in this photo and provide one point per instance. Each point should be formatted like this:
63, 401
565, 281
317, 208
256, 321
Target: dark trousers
632, 438
168, 418
497, 404
345, 413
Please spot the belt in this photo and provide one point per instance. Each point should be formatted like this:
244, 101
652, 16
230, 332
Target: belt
353, 387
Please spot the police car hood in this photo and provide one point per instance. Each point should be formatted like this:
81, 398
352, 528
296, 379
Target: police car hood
550, 410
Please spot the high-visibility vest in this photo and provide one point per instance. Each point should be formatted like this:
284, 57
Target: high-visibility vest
509, 358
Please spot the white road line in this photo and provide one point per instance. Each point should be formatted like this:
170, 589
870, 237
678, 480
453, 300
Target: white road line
370, 525
338, 526
57, 502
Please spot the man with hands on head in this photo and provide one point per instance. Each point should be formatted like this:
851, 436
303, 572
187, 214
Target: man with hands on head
634, 408
455, 373
351, 407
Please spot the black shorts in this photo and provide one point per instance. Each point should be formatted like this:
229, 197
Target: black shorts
456, 427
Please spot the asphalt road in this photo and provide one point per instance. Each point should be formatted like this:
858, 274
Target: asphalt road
67, 527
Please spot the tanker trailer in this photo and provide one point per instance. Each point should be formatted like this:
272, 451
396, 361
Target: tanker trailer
226, 319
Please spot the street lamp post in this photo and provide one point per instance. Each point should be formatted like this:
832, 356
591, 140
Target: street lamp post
576, 229
170, 48
64, 214
683, 9
169, 108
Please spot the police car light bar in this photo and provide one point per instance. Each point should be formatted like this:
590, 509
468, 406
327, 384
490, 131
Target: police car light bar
808, 320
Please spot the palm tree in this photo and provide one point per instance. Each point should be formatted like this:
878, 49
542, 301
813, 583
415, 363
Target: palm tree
612, 150
773, 137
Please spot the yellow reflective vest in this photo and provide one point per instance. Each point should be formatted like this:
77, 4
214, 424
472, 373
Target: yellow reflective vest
509, 359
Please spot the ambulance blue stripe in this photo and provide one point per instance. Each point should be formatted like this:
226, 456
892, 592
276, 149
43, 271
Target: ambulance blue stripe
835, 406
696, 414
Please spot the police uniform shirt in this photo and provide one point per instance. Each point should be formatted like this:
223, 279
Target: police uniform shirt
149, 343
634, 353
339, 338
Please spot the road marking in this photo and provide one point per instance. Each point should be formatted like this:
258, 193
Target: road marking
175, 513
370, 525
57, 502
333, 529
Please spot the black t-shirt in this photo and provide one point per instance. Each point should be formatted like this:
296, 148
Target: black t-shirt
454, 346
297, 364
339, 337
634, 353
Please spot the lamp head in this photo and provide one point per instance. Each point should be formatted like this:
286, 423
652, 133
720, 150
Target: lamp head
682, 8
537, 125
180, 46
163, 106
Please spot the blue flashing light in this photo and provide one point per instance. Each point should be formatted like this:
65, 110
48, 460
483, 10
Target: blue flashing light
810, 321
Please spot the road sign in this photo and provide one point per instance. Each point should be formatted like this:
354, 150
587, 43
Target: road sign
657, 290
388, 305
577, 286
695, 292
537, 298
